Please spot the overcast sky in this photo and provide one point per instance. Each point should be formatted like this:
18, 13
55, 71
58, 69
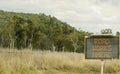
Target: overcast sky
88, 15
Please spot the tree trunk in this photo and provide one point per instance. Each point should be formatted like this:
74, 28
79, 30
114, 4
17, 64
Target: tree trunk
53, 47
63, 48
74, 44
12, 41
30, 41
2, 41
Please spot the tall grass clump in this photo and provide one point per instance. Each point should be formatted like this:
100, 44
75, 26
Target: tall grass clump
47, 62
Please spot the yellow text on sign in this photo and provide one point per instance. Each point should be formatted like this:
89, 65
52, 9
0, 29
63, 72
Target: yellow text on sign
101, 41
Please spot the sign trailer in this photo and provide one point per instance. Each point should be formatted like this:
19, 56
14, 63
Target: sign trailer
102, 47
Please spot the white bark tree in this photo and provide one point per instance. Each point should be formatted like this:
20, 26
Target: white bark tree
74, 39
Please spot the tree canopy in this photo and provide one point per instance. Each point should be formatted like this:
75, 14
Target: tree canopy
106, 31
38, 31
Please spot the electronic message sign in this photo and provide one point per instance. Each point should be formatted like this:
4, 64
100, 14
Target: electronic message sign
102, 47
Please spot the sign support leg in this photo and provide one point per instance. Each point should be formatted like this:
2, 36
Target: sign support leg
102, 66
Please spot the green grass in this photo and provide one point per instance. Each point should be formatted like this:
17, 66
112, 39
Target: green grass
46, 62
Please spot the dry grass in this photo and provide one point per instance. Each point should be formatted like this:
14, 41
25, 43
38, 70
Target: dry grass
46, 62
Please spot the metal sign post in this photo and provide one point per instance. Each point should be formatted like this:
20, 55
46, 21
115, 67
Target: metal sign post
102, 66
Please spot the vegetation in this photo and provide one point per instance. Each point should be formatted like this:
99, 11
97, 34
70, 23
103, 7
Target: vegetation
106, 31
46, 62
38, 31
39, 34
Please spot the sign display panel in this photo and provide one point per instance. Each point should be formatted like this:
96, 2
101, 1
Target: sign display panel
102, 47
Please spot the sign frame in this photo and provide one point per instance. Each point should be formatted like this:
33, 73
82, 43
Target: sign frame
101, 36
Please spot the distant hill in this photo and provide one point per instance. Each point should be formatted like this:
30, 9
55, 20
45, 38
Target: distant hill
38, 31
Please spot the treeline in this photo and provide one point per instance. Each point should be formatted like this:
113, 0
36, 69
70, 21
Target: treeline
40, 32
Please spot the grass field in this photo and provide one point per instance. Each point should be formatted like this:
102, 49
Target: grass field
46, 62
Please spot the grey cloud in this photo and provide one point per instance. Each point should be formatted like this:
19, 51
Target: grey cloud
112, 2
90, 15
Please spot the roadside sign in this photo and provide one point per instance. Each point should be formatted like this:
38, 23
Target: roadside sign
102, 47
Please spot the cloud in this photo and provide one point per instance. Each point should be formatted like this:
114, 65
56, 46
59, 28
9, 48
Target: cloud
89, 15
